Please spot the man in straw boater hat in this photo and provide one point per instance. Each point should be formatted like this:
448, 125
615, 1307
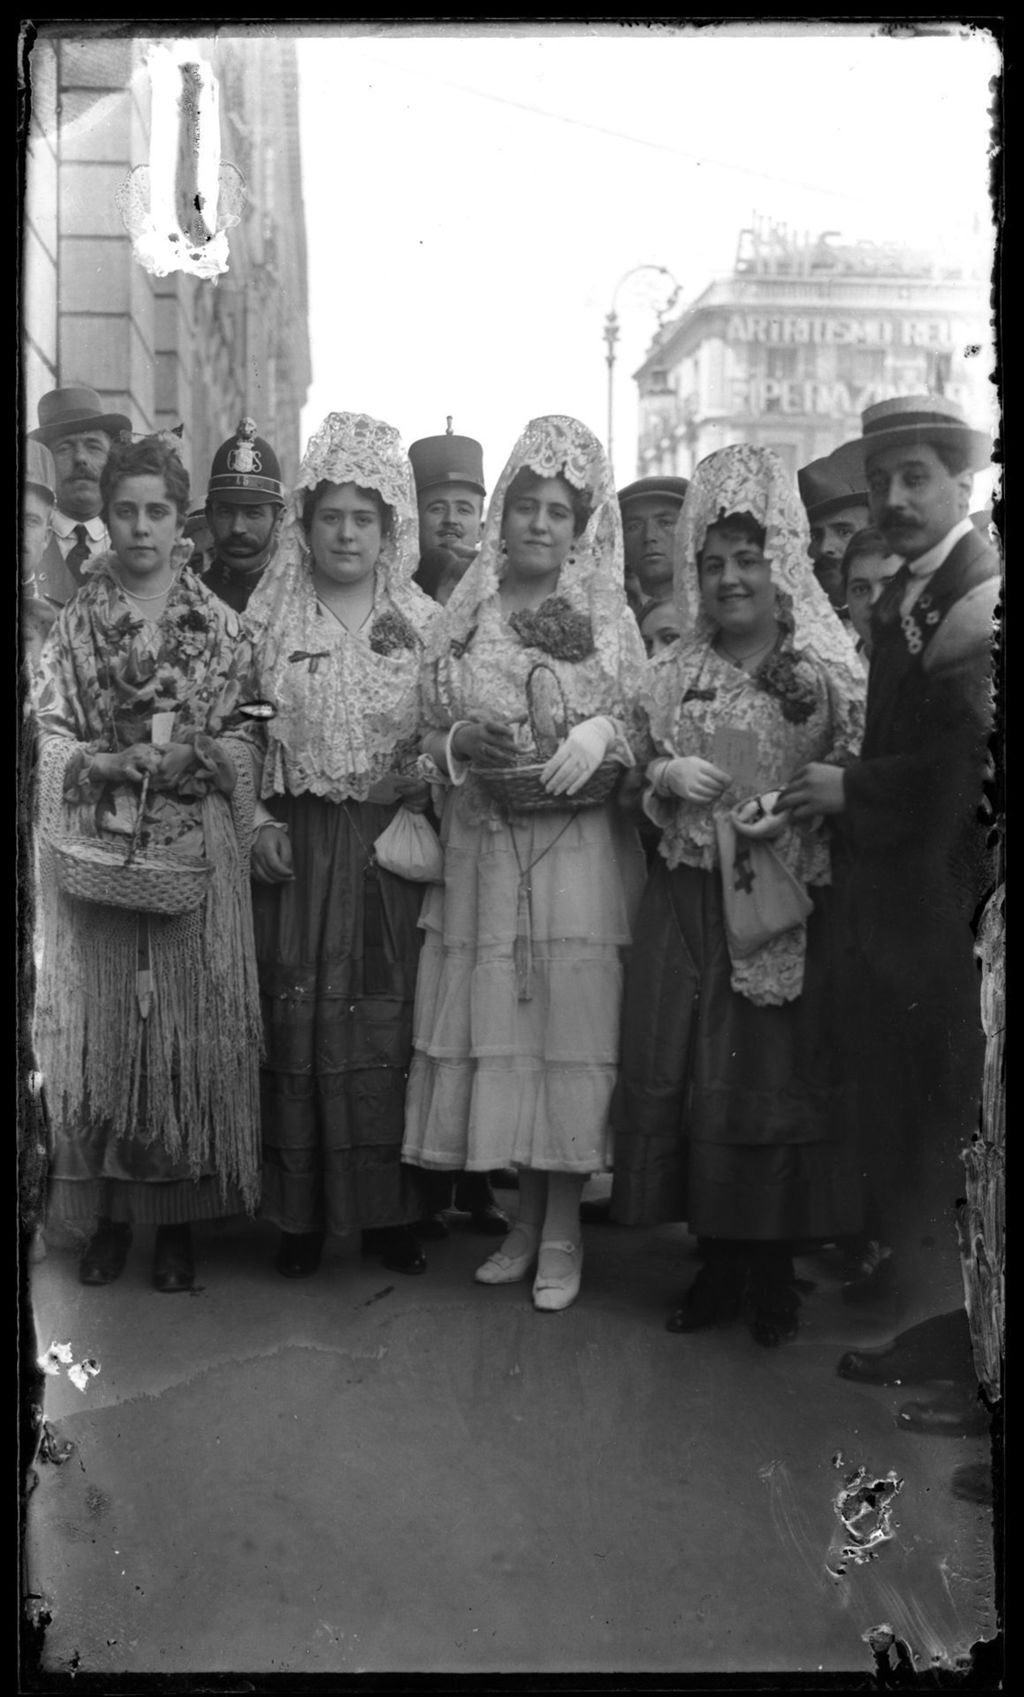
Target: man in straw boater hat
836, 503
450, 492
915, 814
78, 431
244, 503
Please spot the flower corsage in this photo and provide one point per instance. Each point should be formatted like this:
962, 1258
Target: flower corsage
392, 632
556, 628
792, 682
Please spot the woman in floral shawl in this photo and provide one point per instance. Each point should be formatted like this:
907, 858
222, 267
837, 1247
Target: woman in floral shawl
518, 999
338, 628
147, 1025
730, 1113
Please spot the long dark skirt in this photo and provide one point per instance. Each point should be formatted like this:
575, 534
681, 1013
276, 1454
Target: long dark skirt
337, 952
728, 1116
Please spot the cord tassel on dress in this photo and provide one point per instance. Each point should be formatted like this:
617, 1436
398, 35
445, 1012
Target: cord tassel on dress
522, 953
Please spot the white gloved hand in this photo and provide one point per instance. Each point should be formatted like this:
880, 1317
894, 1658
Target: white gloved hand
578, 757
694, 779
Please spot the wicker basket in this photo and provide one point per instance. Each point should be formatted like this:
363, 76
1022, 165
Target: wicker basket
518, 789
93, 869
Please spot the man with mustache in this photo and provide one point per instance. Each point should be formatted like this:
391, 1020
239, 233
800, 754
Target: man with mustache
78, 433
450, 490
244, 504
836, 510
922, 865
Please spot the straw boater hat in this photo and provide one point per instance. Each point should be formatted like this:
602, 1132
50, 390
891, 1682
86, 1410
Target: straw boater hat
72, 411
245, 469
826, 489
908, 420
675, 487
447, 459
38, 470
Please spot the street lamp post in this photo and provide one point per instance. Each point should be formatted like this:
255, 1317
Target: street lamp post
611, 336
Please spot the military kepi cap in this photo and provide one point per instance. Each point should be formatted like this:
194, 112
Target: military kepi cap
905, 421
447, 459
38, 470
827, 487
672, 487
245, 469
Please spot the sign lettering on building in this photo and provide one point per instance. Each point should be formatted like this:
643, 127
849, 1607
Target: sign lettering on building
761, 395
796, 330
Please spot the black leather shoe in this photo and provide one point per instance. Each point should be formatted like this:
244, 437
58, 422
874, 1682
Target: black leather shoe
947, 1417
597, 1213
106, 1253
490, 1221
397, 1247
433, 1228
712, 1300
776, 1319
298, 1254
935, 1351
173, 1266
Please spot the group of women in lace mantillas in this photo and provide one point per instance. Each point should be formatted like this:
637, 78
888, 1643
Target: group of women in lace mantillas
538, 1008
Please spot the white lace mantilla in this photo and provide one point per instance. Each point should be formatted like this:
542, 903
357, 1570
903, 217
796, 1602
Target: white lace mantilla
346, 714
691, 692
476, 666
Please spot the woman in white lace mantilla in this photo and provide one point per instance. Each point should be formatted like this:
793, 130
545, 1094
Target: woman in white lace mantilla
338, 629
730, 1109
518, 998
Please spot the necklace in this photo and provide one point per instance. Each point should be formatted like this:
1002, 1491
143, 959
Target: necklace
134, 597
755, 653
352, 630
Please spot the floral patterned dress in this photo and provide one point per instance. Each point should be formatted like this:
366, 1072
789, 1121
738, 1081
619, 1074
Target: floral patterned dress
147, 1025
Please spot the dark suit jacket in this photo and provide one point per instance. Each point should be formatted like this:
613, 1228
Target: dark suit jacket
913, 800
56, 581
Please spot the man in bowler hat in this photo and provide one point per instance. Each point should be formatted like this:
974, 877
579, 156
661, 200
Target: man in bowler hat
244, 504
78, 431
914, 813
836, 510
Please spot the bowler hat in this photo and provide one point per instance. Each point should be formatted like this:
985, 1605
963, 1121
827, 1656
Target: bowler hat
675, 487
447, 459
907, 420
245, 469
71, 411
826, 488
38, 470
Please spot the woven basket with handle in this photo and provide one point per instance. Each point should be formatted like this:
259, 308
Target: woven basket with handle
155, 880
518, 789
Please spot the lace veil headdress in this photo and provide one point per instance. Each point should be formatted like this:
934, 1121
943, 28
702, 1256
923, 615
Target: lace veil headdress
747, 479
592, 577
339, 715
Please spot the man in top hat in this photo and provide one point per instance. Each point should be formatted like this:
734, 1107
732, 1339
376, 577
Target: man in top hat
38, 499
914, 815
244, 506
450, 491
836, 510
78, 432
650, 509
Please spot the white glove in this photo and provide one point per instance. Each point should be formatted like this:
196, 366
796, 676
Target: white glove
693, 779
578, 757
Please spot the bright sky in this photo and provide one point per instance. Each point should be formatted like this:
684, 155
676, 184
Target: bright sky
473, 197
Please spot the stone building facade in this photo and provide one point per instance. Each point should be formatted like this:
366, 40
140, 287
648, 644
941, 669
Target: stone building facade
176, 349
788, 351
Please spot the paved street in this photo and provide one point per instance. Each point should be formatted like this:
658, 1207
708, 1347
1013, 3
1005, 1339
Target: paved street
370, 1472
